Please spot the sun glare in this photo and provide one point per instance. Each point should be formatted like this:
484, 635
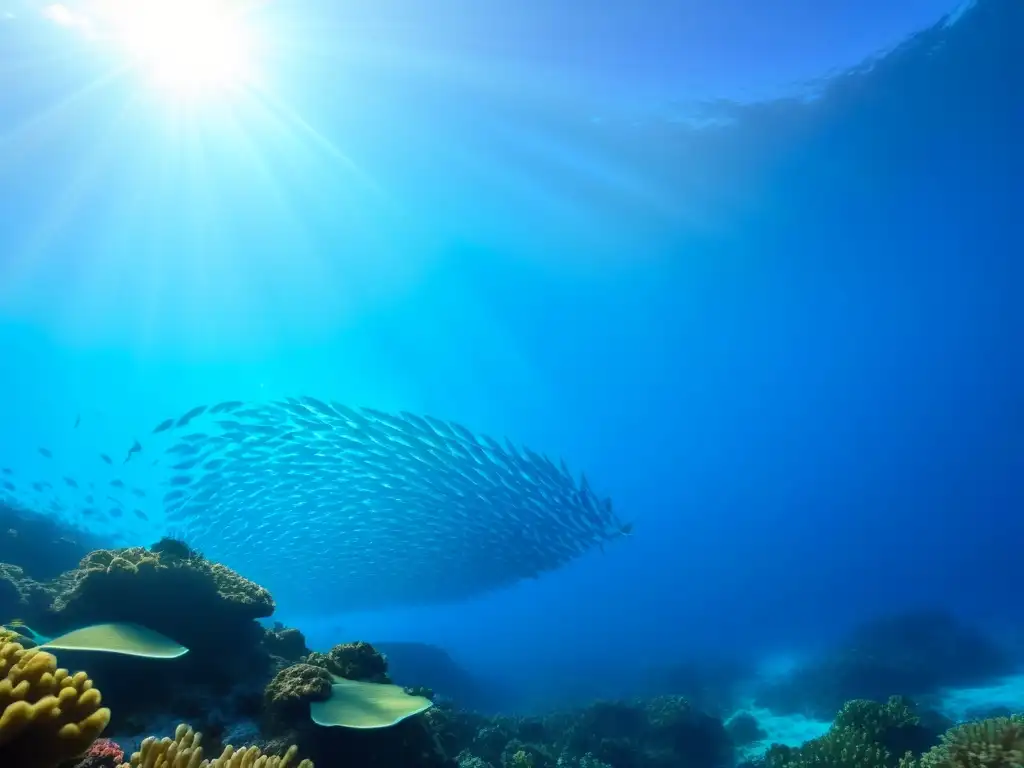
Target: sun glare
187, 46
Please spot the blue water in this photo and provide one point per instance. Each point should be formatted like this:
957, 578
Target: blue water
770, 304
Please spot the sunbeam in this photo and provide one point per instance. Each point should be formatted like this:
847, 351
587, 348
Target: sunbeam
184, 47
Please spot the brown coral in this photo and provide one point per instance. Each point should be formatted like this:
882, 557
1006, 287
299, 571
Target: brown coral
298, 683
285, 642
353, 661
185, 751
47, 716
105, 569
160, 590
287, 697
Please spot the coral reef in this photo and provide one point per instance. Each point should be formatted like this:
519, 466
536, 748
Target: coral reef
242, 683
655, 733
128, 584
713, 684
47, 715
185, 749
410, 741
288, 696
864, 734
994, 743
104, 753
170, 589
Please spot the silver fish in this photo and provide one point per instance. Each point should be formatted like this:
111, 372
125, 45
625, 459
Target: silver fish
376, 509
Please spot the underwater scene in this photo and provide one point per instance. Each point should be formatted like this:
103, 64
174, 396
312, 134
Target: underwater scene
511, 385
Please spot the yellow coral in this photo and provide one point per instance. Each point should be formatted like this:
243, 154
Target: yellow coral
185, 751
47, 716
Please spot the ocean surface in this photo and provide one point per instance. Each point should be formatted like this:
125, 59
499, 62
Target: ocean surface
757, 272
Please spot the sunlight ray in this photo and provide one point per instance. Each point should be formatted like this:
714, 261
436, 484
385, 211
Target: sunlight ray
294, 121
82, 181
54, 118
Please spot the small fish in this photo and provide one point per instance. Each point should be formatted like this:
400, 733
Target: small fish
71, 482
369, 503
136, 447
46, 452
186, 418
140, 514
78, 420
226, 406
117, 483
106, 459
163, 426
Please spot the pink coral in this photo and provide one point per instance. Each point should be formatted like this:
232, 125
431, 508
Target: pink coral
104, 752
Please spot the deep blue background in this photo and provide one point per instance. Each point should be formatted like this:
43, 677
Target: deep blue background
787, 344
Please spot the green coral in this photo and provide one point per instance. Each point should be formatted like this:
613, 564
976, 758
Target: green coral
994, 743
865, 734
466, 760
666, 711
839, 748
518, 754
876, 719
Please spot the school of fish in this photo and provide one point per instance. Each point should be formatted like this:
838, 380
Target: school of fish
363, 509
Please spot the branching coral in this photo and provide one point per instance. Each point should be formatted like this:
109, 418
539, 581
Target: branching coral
994, 743
865, 734
839, 748
47, 715
875, 719
185, 751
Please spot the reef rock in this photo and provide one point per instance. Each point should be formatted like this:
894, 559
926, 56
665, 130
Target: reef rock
353, 661
168, 588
